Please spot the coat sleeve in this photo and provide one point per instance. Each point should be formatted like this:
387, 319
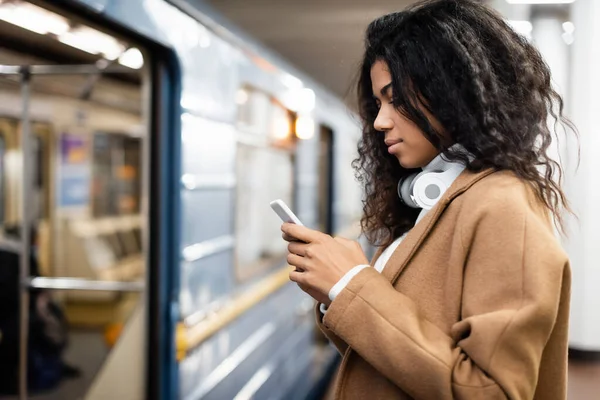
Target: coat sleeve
513, 277
340, 345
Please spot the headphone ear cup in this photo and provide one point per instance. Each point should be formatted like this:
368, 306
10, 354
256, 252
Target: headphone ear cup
405, 190
424, 189
428, 189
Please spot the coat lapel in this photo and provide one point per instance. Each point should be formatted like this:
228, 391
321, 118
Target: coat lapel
401, 257
377, 254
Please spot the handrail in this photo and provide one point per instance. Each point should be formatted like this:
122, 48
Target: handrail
189, 337
84, 284
83, 69
26, 218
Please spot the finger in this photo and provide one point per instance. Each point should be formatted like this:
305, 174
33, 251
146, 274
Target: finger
301, 232
297, 261
297, 276
289, 238
304, 287
298, 248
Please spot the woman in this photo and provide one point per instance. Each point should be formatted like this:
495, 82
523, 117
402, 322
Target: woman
468, 296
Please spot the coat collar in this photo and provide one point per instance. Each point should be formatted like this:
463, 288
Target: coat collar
419, 232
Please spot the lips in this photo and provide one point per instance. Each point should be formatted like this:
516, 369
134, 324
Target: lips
392, 144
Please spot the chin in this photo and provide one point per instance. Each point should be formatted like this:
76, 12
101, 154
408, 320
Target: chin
407, 164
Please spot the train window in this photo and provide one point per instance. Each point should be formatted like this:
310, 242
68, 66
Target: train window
253, 110
117, 178
265, 118
264, 172
130, 176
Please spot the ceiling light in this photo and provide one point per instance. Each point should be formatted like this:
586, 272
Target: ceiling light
93, 41
291, 81
33, 18
302, 100
305, 128
39, 20
540, 1
281, 127
568, 27
132, 58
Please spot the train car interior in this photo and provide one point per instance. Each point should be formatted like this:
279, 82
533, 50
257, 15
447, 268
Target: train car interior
139, 151
83, 87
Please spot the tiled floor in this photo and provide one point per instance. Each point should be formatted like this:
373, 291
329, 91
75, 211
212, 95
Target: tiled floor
584, 381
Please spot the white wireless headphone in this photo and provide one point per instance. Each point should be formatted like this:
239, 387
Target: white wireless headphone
424, 189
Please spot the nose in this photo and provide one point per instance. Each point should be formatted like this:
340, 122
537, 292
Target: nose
383, 122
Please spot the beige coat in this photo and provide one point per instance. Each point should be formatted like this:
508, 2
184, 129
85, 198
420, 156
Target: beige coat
473, 304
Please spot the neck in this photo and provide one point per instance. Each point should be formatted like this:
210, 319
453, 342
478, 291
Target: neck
440, 161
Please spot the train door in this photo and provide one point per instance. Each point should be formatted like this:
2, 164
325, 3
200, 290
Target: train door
80, 314
325, 191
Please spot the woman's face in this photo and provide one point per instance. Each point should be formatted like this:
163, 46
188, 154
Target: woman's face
403, 137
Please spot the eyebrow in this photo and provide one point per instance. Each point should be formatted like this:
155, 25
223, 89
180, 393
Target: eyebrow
385, 89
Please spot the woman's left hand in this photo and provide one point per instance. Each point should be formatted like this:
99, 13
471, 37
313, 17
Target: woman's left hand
320, 260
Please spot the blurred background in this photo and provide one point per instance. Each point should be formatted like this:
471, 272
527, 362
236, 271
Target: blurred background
140, 144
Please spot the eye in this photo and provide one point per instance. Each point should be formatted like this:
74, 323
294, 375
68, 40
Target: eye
391, 97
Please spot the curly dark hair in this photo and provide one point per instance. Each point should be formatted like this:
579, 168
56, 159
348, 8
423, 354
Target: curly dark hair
488, 87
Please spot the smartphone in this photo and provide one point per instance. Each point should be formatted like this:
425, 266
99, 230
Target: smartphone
284, 212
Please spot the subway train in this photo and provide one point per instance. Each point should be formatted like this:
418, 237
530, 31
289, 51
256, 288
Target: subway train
141, 143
